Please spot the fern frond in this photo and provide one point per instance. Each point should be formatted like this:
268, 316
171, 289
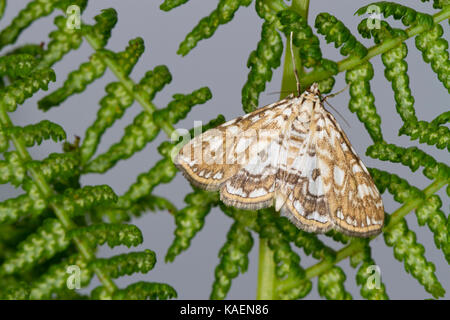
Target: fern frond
208, 25
153, 81
261, 62
32, 12
369, 292
62, 41
268, 10
146, 291
114, 234
233, 260
136, 136
180, 106
407, 15
11, 210
99, 33
411, 253
429, 212
76, 201
35, 133
48, 240
12, 169
335, 31
17, 65
54, 280
145, 128
22, 89
112, 108
303, 37
126, 264
163, 171
309, 242
411, 157
190, 220
76, 82
331, 285
56, 166
248, 218
128, 58
428, 133
168, 5
362, 100
434, 50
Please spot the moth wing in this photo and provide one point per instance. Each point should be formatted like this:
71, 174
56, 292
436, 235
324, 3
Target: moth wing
215, 156
301, 195
253, 186
354, 201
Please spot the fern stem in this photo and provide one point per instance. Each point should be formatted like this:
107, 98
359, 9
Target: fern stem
401, 212
47, 191
266, 272
353, 61
266, 267
356, 246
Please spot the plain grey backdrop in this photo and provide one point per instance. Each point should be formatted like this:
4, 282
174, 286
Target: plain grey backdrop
220, 64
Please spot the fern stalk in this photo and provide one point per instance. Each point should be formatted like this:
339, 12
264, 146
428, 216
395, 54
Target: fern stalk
266, 267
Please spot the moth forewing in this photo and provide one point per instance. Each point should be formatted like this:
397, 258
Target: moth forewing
291, 154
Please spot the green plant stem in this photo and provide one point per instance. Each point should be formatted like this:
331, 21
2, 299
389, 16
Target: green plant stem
47, 192
266, 272
266, 267
353, 61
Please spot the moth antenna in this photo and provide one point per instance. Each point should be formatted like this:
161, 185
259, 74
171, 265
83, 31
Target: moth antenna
336, 93
278, 92
293, 63
348, 124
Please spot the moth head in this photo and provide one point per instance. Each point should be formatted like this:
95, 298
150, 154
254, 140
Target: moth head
314, 89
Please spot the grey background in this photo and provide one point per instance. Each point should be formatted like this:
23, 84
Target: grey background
220, 63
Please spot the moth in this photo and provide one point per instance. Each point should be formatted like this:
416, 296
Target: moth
291, 154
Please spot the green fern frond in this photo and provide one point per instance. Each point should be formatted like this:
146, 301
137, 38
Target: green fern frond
434, 50
47, 241
146, 291
411, 253
22, 89
32, 12
407, 15
362, 100
54, 280
62, 41
126, 264
114, 234
190, 220
208, 25
335, 31
233, 259
331, 285
261, 62
76, 82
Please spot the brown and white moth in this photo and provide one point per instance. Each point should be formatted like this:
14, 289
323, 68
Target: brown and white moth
291, 154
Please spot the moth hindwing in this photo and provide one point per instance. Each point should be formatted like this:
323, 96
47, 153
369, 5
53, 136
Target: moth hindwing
291, 154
